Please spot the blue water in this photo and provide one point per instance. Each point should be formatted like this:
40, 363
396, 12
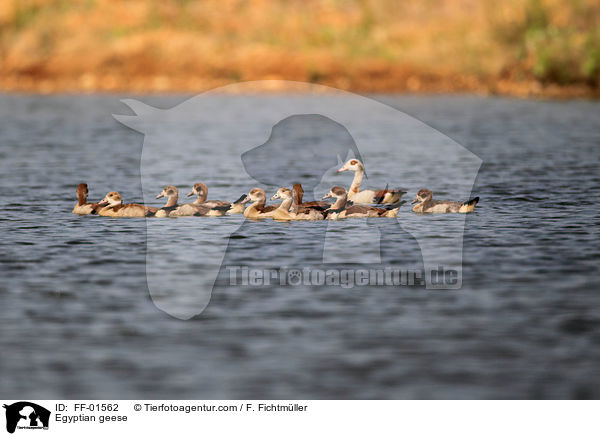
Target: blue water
77, 320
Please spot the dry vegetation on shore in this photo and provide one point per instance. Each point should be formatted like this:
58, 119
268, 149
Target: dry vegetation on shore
517, 47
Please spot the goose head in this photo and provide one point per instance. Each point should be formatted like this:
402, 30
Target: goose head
422, 195
283, 194
256, 195
352, 165
336, 192
112, 199
168, 191
200, 190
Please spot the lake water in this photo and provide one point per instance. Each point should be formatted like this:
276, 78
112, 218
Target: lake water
77, 319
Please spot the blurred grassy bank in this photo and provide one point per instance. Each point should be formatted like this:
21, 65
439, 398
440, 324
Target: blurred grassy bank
517, 47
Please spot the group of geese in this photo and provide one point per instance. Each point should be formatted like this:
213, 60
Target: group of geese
347, 204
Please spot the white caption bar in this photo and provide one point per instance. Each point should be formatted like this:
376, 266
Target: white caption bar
300, 417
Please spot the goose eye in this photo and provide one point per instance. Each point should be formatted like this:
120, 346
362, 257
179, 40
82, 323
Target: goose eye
354, 162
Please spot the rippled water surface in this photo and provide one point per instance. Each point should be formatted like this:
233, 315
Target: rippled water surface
77, 320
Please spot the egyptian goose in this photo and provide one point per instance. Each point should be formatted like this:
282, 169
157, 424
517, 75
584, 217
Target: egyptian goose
426, 204
299, 206
201, 191
172, 209
340, 209
283, 211
83, 207
112, 205
368, 196
258, 209
172, 194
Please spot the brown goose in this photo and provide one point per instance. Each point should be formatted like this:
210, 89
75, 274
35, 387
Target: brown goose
341, 210
299, 206
172, 209
258, 209
83, 207
201, 191
112, 205
283, 211
368, 196
426, 204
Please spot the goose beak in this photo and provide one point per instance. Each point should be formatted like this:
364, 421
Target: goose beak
245, 200
342, 169
416, 200
103, 202
328, 195
190, 194
275, 197
161, 195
